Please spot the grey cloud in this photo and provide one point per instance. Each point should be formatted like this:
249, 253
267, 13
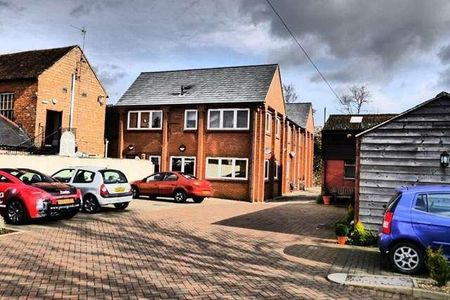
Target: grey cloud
340, 76
389, 30
444, 80
86, 7
444, 54
110, 74
10, 5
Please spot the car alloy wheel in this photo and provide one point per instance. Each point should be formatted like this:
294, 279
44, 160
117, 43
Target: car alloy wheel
135, 192
90, 204
406, 258
15, 212
180, 196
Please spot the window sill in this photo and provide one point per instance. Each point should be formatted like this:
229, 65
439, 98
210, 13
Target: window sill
227, 179
144, 129
349, 178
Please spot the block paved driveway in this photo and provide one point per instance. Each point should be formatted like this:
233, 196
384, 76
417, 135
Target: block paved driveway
214, 250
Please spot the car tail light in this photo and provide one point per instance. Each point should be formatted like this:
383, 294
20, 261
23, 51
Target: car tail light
387, 222
104, 191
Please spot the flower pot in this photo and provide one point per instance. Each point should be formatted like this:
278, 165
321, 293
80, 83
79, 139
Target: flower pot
341, 240
326, 200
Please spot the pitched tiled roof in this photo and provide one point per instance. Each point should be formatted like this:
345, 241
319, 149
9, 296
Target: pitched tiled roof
215, 85
12, 135
342, 122
29, 64
298, 112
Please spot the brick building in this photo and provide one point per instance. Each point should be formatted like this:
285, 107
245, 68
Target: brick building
339, 150
228, 125
37, 89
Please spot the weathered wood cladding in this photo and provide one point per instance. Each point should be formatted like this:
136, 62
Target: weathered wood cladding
404, 151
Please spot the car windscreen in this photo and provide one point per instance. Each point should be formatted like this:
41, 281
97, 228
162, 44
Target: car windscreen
189, 176
30, 177
113, 176
393, 202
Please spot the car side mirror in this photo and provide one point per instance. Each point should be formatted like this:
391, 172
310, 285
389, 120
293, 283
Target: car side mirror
384, 206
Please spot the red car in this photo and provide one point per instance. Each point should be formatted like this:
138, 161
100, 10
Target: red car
178, 185
27, 194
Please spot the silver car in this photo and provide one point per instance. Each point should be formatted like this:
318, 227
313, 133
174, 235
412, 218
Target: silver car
99, 186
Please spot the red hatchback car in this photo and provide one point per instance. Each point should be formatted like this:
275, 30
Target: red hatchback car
178, 185
27, 194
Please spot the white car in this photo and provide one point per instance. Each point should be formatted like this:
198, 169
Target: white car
99, 186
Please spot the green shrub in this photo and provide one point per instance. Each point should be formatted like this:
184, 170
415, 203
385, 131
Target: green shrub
341, 229
362, 237
438, 266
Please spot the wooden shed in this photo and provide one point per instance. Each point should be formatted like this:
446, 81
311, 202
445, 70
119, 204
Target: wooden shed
404, 150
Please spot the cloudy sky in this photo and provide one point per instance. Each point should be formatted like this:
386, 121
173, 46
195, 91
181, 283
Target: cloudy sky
399, 49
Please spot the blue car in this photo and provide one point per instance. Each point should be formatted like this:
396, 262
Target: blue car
415, 218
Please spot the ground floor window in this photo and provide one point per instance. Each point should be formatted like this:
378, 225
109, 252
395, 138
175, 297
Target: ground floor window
183, 164
266, 169
7, 105
226, 168
156, 161
349, 169
277, 167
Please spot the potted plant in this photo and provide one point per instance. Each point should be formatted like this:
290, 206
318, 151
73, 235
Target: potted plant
326, 199
341, 231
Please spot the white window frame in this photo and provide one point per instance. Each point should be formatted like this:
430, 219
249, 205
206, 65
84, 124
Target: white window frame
266, 169
139, 112
278, 127
233, 159
277, 167
182, 162
268, 122
235, 110
185, 119
159, 161
7, 105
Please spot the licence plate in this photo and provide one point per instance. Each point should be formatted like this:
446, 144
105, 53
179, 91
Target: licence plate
119, 189
65, 201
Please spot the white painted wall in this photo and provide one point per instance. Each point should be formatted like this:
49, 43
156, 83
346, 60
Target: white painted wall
134, 169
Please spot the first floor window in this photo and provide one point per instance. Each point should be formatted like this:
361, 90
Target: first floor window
268, 123
226, 168
233, 119
278, 128
148, 119
156, 161
266, 169
190, 119
183, 164
349, 169
7, 105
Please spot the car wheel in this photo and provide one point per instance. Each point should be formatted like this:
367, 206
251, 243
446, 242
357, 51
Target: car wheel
121, 206
135, 191
406, 258
180, 196
16, 213
199, 199
90, 204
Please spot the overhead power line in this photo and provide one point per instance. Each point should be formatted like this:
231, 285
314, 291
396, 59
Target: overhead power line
303, 50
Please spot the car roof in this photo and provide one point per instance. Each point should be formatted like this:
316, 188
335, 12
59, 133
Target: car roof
88, 168
424, 188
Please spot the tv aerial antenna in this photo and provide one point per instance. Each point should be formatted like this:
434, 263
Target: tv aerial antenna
83, 32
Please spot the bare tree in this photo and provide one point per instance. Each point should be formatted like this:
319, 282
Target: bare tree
290, 96
353, 102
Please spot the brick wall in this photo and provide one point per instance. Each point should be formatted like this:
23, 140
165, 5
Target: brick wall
89, 114
24, 103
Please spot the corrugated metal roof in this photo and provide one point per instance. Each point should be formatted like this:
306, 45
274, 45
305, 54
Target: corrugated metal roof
215, 85
29, 64
12, 135
342, 122
298, 112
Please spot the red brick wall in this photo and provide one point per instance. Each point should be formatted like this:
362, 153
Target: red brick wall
334, 175
89, 114
24, 103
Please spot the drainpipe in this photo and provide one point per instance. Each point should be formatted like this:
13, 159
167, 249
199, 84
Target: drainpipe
72, 101
106, 147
